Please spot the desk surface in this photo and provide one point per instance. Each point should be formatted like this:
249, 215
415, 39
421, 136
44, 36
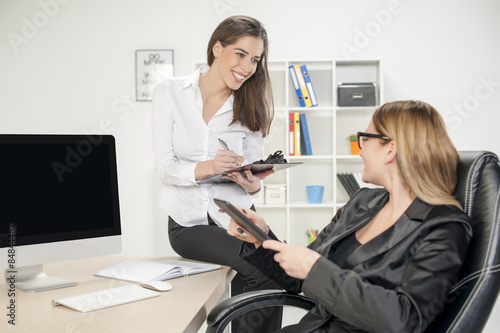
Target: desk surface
182, 309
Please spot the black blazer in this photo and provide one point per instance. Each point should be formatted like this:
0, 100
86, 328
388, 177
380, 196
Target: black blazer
397, 282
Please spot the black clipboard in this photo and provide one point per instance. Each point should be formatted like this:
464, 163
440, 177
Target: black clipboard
254, 168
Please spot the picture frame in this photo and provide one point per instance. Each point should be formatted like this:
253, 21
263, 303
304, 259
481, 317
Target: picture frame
151, 67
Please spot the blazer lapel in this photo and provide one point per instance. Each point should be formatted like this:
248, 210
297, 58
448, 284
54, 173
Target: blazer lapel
361, 217
405, 225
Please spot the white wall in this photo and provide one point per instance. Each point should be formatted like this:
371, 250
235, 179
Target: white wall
68, 67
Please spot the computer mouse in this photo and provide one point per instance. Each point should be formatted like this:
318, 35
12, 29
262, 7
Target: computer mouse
157, 285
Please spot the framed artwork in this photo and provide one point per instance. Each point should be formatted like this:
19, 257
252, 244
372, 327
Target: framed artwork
151, 67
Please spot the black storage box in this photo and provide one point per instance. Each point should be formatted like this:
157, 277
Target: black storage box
357, 94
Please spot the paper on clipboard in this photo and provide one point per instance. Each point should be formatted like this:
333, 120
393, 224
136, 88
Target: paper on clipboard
254, 168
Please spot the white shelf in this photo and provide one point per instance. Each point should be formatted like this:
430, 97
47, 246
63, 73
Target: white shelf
258, 206
348, 157
315, 109
298, 205
310, 157
308, 205
355, 108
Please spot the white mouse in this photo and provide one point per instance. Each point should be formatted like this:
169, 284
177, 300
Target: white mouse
157, 285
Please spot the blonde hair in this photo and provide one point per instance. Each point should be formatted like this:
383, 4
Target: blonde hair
426, 156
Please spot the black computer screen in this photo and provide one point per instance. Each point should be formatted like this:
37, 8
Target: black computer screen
58, 187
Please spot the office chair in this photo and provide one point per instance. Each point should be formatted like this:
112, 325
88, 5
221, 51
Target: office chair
470, 301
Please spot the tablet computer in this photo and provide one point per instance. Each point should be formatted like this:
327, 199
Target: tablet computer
242, 220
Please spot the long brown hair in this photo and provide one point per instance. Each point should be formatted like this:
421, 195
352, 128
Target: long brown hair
426, 156
253, 103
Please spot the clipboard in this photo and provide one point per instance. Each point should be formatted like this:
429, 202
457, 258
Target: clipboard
254, 168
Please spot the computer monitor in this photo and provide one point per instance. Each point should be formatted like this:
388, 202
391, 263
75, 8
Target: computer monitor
58, 201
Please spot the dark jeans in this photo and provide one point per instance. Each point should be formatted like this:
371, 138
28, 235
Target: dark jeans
211, 243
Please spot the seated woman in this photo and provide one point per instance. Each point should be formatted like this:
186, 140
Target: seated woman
388, 257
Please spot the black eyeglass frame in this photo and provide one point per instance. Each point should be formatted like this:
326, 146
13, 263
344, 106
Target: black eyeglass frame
369, 135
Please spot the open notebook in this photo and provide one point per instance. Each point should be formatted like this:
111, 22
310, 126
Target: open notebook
147, 270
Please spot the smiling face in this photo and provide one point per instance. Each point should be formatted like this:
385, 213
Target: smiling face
235, 63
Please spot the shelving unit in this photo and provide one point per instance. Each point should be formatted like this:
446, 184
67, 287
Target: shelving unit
329, 125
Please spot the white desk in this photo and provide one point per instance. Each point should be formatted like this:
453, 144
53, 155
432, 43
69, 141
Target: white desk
182, 309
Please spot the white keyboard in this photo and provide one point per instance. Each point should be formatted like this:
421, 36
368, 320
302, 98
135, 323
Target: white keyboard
106, 298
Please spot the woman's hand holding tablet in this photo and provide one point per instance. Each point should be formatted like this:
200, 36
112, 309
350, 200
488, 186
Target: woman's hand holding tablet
242, 220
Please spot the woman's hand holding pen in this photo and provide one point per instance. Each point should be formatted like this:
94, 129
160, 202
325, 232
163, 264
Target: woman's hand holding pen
226, 160
223, 161
250, 182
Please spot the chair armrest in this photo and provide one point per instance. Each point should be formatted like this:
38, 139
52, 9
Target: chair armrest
224, 312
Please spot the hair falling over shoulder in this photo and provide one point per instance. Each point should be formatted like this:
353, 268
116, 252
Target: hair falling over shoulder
253, 103
427, 158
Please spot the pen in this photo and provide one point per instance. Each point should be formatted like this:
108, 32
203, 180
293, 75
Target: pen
225, 146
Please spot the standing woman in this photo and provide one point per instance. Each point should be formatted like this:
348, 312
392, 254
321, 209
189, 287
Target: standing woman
229, 100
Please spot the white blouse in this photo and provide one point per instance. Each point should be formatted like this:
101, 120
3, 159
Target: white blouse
182, 139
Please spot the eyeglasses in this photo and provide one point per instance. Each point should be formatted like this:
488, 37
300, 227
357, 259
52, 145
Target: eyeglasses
363, 136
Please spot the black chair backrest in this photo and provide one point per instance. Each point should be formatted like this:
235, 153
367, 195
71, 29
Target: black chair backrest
468, 306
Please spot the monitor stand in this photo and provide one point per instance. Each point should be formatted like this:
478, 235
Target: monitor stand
33, 279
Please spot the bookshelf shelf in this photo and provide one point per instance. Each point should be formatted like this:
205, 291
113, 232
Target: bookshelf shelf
348, 157
312, 206
315, 109
310, 157
298, 205
355, 109
270, 206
